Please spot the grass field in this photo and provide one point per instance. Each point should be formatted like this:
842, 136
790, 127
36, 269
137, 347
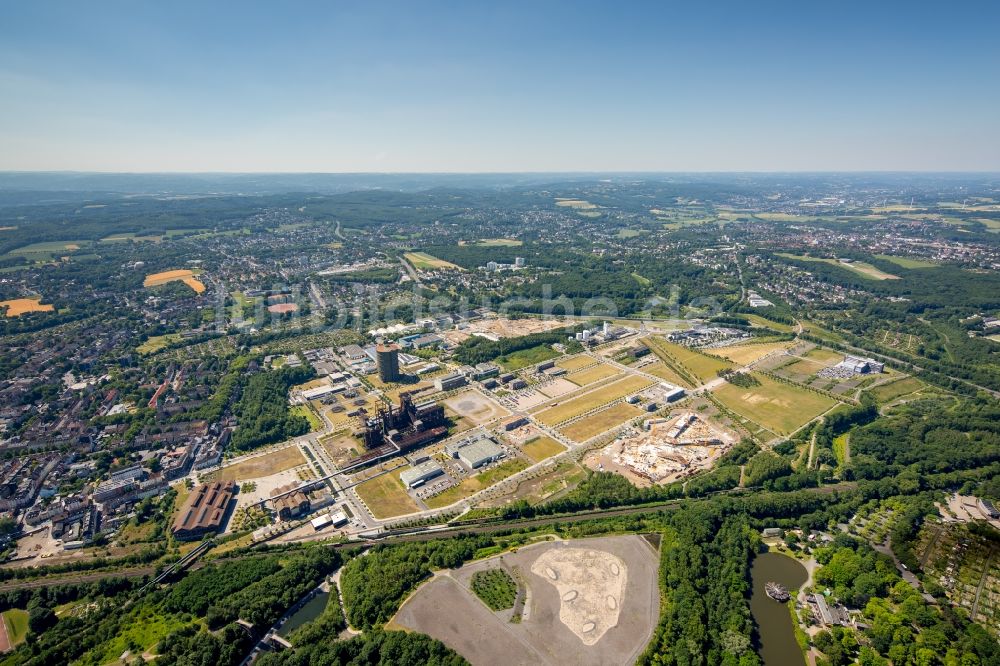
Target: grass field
262, 465
575, 362
124, 238
779, 407
157, 342
386, 497
602, 421
592, 400
19, 306
182, 275
757, 320
541, 448
499, 242
825, 356
525, 357
907, 262
744, 354
315, 423
859, 267
900, 387
144, 627
663, 372
425, 262
575, 204
591, 375
17, 625
474, 484
47, 251
684, 361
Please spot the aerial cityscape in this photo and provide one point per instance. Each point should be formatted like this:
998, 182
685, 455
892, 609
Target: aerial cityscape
501, 402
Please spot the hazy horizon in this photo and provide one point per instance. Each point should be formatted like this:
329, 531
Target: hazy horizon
513, 88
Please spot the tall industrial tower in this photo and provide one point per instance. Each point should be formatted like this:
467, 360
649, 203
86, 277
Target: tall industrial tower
387, 361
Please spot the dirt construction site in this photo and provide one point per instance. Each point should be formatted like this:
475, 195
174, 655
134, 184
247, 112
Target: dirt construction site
586, 601
669, 450
502, 328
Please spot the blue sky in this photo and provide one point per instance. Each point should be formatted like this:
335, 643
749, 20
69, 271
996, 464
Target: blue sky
499, 86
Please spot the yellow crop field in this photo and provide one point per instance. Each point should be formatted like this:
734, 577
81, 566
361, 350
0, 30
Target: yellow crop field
593, 400
686, 361
262, 465
572, 363
19, 306
591, 375
744, 354
602, 421
576, 204
182, 275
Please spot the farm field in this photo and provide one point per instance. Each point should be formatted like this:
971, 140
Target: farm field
859, 267
474, 484
575, 362
386, 497
744, 354
908, 262
684, 361
182, 275
779, 407
575, 204
541, 448
602, 421
593, 374
425, 262
16, 307
261, 465
592, 400
499, 242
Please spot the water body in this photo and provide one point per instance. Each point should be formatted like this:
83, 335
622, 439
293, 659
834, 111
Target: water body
310, 610
773, 619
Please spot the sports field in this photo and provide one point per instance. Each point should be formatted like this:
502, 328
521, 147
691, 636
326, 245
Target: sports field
779, 407
182, 275
386, 497
19, 306
262, 465
541, 448
744, 354
684, 361
425, 262
592, 400
591, 375
602, 421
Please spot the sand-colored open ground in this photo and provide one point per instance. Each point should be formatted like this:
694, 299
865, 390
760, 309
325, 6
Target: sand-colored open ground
183, 275
19, 306
744, 354
576, 362
602, 421
588, 601
475, 407
261, 465
592, 400
556, 387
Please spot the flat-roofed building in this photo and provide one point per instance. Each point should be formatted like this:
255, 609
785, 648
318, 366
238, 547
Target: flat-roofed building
449, 382
204, 510
420, 474
479, 452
